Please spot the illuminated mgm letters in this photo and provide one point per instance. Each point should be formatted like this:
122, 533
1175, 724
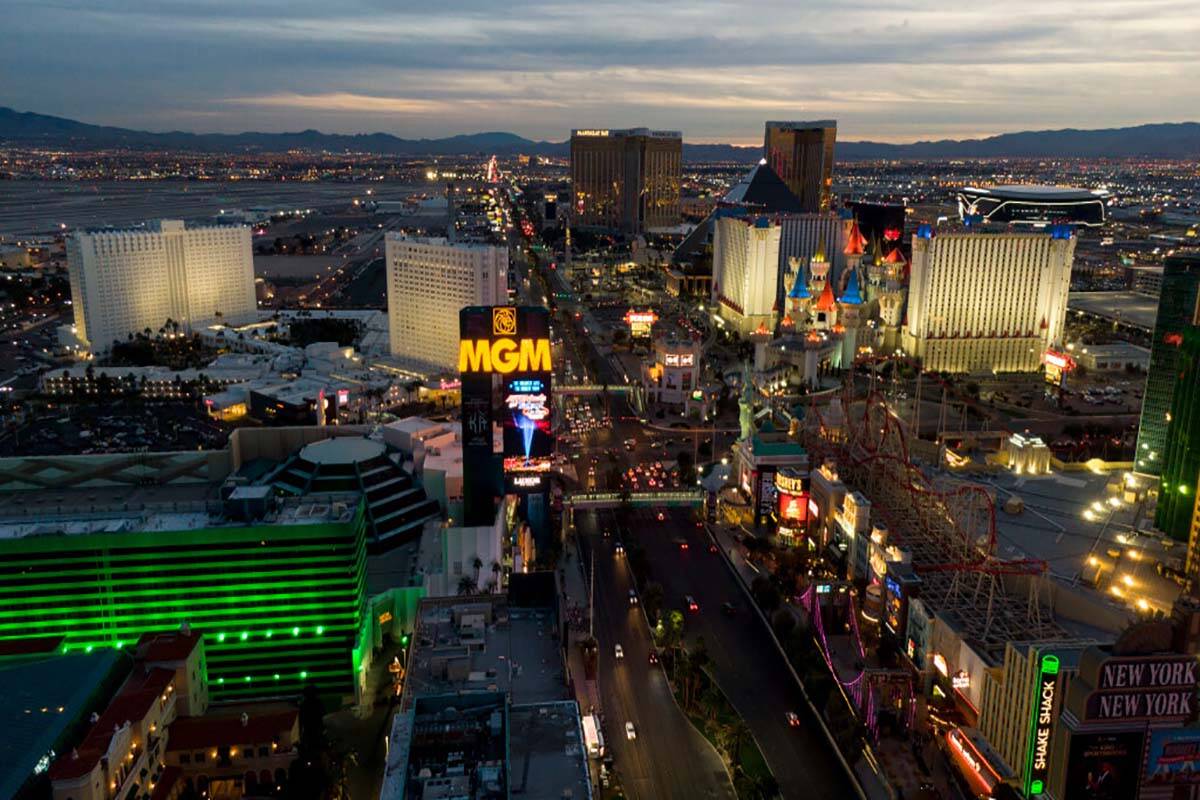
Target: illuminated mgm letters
504, 355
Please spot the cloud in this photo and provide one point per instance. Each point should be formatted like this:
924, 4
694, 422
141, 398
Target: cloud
887, 69
342, 101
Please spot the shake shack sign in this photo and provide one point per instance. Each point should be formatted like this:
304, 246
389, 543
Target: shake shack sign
1144, 688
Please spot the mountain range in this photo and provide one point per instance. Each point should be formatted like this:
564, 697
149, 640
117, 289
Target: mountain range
1163, 140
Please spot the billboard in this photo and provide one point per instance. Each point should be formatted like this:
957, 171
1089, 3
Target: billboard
505, 367
1104, 766
1152, 688
1174, 758
641, 323
764, 494
528, 443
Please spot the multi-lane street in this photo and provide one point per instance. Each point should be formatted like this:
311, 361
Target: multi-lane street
668, 757
744, 660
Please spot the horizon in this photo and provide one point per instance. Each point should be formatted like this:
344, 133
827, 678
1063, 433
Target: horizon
549, 139
915, 71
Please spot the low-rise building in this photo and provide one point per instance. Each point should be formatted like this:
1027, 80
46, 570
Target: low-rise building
672, 377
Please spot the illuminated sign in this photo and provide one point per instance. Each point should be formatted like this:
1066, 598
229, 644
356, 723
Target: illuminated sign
679, 360
961, 680
504, 355
527, 481
595, 132
787, 481
1060, 360
939, 661
1041, 725
792, 507
975, 768
504, 321
343, 396
530, 406
640, 317
1174, 758
1153, 688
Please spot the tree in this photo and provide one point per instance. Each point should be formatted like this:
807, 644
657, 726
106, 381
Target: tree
466, 585
478, 565
783, 622
765, 594
652, 599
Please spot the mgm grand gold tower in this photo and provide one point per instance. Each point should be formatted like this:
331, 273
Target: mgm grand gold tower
626, 180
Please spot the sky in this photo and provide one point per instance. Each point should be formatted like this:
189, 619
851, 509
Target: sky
887, 70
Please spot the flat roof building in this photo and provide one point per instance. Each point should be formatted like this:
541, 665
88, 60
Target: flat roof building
429, 280
280, 596
1177, 312
626, 180
802, 155
987, 302
124, 282
488, 673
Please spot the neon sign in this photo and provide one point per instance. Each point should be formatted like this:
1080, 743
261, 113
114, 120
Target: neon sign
676, 360
504, 355
1037, 764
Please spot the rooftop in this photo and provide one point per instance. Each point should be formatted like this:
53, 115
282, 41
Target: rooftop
1130, 308
262, 723
1036, 191
481, 643
150, 508
42, 700
546, 754
342, 450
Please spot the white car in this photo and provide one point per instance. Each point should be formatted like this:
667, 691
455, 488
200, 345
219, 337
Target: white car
630, 733
619, 651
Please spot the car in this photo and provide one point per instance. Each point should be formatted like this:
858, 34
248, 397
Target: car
712, 548
607, 533
630, 733
653, 657
618, 652
683, 545
619, 549
633, 598
728, 608
692, 605
793, 721
661, 516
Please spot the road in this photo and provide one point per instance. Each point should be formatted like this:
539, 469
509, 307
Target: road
748, 667
669, 758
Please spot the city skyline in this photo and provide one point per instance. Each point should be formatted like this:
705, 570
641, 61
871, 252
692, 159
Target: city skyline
914, 72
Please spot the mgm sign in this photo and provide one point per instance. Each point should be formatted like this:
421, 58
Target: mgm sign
505, 363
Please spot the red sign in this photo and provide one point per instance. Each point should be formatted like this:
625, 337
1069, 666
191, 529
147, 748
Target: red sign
1060, 360
793, 507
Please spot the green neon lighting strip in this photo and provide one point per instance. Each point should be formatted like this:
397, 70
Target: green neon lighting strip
254, 585
1049, 666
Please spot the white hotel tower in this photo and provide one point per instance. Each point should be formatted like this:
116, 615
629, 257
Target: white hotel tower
429, 280
125, 281
746, 271
987, 302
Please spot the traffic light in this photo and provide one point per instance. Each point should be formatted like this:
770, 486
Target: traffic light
404, 640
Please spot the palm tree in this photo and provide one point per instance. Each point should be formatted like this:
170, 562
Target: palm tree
478, 565
466, 585
496, 573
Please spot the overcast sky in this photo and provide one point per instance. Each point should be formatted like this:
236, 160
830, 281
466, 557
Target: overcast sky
888, 70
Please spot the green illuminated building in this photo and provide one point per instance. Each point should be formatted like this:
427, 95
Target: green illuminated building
1181, 458
280, 601
1177, 310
